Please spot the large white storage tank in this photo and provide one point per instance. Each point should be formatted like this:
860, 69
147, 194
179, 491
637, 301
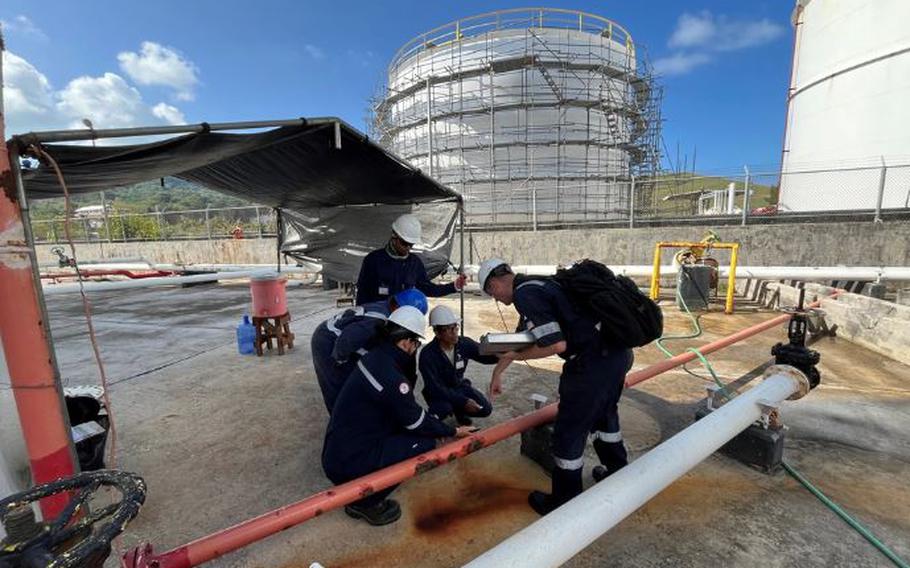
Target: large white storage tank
849, 106
532, 114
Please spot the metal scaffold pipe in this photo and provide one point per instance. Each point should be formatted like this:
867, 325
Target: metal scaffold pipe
565, 532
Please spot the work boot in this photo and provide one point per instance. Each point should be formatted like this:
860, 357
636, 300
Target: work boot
612, 455
566, 485
382, 513
463, 420
541, 502
601, 472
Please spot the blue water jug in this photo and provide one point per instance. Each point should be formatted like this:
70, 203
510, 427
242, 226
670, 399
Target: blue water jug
246, 337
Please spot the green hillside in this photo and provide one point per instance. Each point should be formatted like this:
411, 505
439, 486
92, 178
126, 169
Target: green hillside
176, 195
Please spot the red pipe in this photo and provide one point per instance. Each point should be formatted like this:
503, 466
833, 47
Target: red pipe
245, 533
112, 272
32, 373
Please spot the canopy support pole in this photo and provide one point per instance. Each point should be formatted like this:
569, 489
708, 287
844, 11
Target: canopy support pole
279, 237
33, 374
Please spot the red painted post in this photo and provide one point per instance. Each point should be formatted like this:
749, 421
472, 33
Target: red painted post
23, 330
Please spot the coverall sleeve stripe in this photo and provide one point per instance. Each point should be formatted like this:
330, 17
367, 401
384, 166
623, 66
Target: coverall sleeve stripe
546, 329
369, 376
419, 421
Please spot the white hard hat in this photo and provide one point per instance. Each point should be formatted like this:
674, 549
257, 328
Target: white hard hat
486, 267
407, 227
442, 315
411, 319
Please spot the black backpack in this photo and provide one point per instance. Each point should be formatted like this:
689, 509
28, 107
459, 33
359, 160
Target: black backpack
627, 317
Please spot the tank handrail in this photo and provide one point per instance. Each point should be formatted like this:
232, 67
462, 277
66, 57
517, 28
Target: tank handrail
473, 26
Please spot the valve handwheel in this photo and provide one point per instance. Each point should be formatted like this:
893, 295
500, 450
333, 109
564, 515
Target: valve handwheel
80, 537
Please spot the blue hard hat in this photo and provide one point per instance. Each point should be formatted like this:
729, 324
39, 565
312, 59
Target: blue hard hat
412, 297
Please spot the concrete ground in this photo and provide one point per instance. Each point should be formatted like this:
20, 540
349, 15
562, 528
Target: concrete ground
221, 437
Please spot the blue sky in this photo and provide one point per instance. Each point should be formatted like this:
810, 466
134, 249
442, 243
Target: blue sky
725, 64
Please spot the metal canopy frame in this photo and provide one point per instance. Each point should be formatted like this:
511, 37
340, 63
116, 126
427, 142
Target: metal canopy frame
22, 141
44, 419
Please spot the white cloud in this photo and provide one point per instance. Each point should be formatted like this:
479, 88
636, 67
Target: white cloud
168, 113
680, 63
23, 26
31, 102
693, 30
106, 100
27, 90
156, 64
314, 52
697, 38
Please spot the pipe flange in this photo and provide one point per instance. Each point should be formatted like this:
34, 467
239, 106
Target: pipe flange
795, 374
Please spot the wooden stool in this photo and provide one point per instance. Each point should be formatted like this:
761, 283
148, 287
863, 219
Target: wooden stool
277, 328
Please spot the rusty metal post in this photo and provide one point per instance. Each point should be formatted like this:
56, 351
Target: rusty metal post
25, 334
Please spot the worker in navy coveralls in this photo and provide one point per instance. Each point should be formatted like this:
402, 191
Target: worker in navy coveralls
377, 422
590, 384
442, 363
393, 268
341, 340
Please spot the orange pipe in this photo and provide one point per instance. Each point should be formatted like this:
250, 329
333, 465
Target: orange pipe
23, 329
131, 274
218, 544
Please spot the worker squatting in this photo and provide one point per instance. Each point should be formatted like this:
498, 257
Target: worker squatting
369, 360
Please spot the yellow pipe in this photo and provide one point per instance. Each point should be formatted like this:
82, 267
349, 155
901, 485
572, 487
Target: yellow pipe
731, 279
655, 273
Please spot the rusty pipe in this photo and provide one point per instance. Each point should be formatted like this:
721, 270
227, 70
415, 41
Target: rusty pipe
24, 331
215, 545
131, 274
245, 533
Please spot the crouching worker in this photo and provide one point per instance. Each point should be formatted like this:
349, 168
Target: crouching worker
590, 384
376, 422
344, 338
442, 364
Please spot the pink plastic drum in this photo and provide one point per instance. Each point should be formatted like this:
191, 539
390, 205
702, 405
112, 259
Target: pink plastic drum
269, 297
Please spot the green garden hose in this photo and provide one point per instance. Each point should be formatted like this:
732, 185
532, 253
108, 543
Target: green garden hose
846, 517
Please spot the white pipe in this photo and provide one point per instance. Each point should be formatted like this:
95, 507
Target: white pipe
55, 289
885, 273
308, 267
565, 532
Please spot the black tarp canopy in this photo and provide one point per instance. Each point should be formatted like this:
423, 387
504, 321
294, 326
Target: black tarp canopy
338, 191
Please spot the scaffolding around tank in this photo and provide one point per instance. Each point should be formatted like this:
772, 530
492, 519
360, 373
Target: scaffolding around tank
537, 116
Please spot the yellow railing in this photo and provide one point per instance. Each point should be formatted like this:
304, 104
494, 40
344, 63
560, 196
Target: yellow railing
731, 277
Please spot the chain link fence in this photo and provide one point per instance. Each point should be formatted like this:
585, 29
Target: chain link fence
115, 226
744, 196
749, 196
